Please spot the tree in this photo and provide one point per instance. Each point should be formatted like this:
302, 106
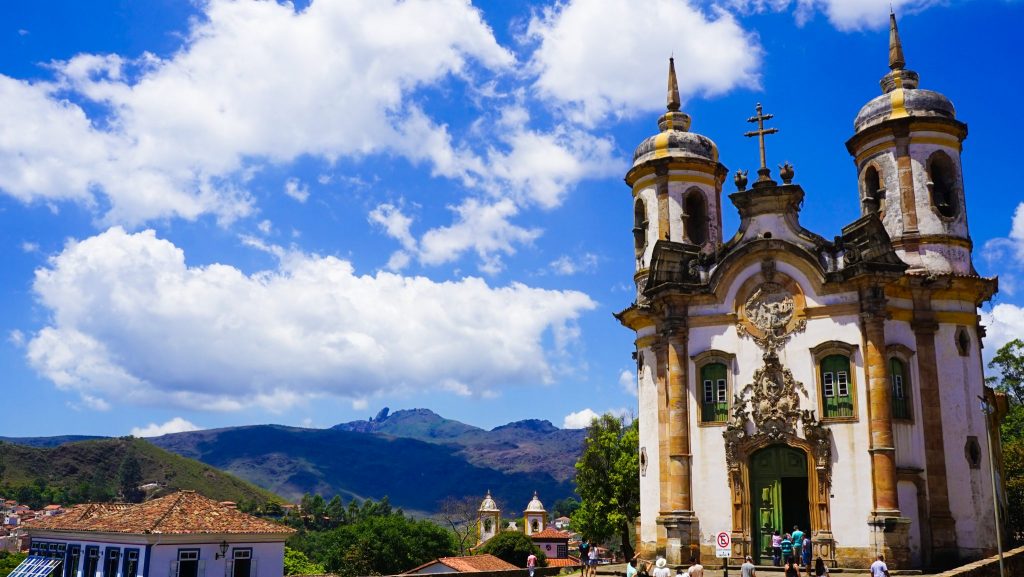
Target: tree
513, 547
8, 561
460, 516
129, 478
1009, 361
384, 545
296, 563
565, 507
608, 481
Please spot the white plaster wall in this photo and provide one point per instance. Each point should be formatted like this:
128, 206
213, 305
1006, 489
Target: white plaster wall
650, 487
906, 492
961, 381
268, 558
936, 257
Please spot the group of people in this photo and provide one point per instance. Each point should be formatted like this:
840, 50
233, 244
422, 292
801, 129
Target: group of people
791, 548
589, 558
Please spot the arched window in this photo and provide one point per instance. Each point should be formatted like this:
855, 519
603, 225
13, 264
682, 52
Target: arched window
696, 217
943, 184
872, 190
536, 526
900, 388
487, 525
834, 375
715, 393
639, 226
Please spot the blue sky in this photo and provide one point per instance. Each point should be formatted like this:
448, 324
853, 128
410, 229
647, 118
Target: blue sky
219, 213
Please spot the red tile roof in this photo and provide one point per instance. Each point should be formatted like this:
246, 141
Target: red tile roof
551, 533
570, 562
469, 564
181, 513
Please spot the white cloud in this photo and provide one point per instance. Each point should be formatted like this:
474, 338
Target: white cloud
578, 63
843, 14
627, 380
215, 338
580, 419
29, 247
1011, 248
569, 265
265, 226
16, 338
175, 425
254, 83
1003, 323
296, 189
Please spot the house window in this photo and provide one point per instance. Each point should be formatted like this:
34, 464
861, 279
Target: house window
900, 389
111, 561
92, 561
74, 555
835, 386
241, 562
131, 563
188, 563
715, 401
561, 551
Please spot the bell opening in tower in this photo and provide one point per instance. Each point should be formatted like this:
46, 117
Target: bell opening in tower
696, 211
779, 496
943, 184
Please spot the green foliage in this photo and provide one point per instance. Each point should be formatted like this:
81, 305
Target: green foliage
129, 477
296, 563
8, 561
98, 470
370, 539
608, 481
565, 507
1013, 467
1009, 361
513, 547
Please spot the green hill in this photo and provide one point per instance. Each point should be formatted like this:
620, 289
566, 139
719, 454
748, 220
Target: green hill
87, 470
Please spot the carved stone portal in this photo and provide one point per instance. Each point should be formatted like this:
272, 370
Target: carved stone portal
770, 314
774, 417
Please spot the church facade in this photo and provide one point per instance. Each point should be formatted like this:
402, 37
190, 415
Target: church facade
790, 380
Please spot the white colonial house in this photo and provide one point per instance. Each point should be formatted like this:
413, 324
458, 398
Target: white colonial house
181, 535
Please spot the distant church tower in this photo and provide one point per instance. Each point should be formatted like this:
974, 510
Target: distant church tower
488, 519
788, 379
534, 517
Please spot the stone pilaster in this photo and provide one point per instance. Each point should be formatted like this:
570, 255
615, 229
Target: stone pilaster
661, 192
660, 351
889, 530
681, 526
942, 527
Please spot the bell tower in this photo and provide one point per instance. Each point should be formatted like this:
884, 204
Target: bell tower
535, 516
488, 519
906, 147
677, 185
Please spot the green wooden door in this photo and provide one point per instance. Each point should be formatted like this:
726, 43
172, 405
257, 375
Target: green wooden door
776, 475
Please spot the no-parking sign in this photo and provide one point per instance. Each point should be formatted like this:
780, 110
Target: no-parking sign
723, 544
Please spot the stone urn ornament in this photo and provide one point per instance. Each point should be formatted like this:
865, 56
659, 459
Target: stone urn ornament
786, 172
740, 179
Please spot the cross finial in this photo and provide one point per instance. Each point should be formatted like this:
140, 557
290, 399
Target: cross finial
673, 86
763, 172
896, 59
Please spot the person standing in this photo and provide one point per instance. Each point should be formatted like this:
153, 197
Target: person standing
661, 568
776, 548
879, 568
786, 547
798, 543
806, 548
531, 563
592, 560
696, 569
747, 569
584, 556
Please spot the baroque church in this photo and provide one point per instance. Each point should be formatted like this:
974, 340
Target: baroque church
790, 380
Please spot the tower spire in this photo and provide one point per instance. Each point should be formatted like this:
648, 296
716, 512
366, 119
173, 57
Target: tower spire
896, 60
673, 86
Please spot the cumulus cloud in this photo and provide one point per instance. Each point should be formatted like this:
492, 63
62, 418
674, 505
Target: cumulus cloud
1003, 323
580, 419
215, 338
577, 65
175, 425
843, 14
253, 83
627, 380
296, 189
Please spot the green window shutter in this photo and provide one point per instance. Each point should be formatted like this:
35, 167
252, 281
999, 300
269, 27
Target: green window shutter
715, 398
836, 386
900, 389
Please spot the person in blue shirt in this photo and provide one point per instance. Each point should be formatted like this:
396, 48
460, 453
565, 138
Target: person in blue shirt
798, 542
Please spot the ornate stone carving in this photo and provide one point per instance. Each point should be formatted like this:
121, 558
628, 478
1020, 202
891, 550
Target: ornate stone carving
770, 312
775, 399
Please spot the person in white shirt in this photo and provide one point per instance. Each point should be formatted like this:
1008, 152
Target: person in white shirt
879, 568
696, 569
661, 568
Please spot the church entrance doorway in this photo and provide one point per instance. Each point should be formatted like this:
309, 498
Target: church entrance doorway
778, 496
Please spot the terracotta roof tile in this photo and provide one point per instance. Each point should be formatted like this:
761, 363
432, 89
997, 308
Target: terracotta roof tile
551, 533
185, 512
474, 563
570, 562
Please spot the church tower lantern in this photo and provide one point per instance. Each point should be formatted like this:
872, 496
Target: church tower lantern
535, 516
488, 519
907, 151
677, 185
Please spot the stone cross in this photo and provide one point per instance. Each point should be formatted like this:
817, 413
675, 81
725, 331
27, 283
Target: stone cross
764, 171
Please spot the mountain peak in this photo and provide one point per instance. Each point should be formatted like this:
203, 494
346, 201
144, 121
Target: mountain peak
534, 425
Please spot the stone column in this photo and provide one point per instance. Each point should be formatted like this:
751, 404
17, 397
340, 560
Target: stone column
905, 173
661, 379
940, 519
888, 529
678, 518
661, 191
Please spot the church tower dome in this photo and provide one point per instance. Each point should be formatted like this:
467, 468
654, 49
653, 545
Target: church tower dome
488, 519
906, 147
535, 516
677, 184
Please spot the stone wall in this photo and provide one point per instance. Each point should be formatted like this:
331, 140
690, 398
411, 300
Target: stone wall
1013, 561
